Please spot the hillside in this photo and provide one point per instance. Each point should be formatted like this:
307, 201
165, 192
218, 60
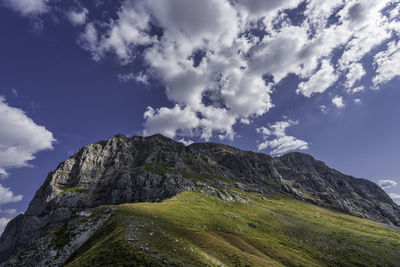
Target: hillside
193, 229
225, 206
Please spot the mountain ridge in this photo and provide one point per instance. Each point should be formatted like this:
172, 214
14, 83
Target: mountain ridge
151, 169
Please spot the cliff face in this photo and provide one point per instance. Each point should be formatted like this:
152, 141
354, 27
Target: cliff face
155, 168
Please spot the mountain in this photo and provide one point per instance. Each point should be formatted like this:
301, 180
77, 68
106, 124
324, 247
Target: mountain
76, 214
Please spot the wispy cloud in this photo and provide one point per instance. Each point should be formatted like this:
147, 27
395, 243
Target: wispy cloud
14, 92
386, 184
77, 17
28, 7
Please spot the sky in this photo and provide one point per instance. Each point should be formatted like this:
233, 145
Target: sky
272, 76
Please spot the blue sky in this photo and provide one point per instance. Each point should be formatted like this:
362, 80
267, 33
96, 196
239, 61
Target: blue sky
272, 76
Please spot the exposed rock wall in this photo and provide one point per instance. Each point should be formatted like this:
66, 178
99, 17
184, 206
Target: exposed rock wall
138, 169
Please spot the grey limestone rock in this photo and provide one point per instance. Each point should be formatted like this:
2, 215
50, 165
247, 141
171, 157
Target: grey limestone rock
155, 168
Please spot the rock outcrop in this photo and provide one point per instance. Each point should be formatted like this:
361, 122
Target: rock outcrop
149, 169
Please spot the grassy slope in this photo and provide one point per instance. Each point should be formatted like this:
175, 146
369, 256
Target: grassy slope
198, 229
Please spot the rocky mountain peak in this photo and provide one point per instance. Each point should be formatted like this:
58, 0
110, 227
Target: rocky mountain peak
155, 168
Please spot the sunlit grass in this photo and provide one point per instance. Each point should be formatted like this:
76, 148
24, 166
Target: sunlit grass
197, 229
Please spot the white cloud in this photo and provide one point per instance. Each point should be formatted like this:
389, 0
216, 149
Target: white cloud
28, 7
395, 12
323, 108
264, 8
386, 184
320, 81
395, 197
169, 121
3, 224
233, 93
77, 17
20, 138
282, 53
338, 102
186, 142
141, 77
212, 64
356, 72
126, 77
7, 196
367, 26
318, 11
10, 212
89, 40
357, 101
130, 30
280, 143
355, 90
387, 63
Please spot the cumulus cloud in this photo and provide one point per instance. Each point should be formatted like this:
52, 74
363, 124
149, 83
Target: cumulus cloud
386, 184
275, 138
7, 196
387, 63
320, 81
219, 60
338, 102
169, 121
28, 7
20, 138
356, 72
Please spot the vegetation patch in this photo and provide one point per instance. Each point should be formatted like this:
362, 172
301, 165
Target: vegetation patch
73, 189
193, 229
61, 236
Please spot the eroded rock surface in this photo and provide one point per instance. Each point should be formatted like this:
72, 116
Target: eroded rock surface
149, 169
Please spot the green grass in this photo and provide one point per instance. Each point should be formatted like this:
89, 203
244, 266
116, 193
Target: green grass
73, 189
193, 229
61, 237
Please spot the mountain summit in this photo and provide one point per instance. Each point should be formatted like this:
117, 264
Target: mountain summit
155, 168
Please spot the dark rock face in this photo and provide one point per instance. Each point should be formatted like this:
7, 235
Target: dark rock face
328, 187
138, 169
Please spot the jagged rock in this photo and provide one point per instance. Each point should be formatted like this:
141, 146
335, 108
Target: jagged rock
55, 248
149, 169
